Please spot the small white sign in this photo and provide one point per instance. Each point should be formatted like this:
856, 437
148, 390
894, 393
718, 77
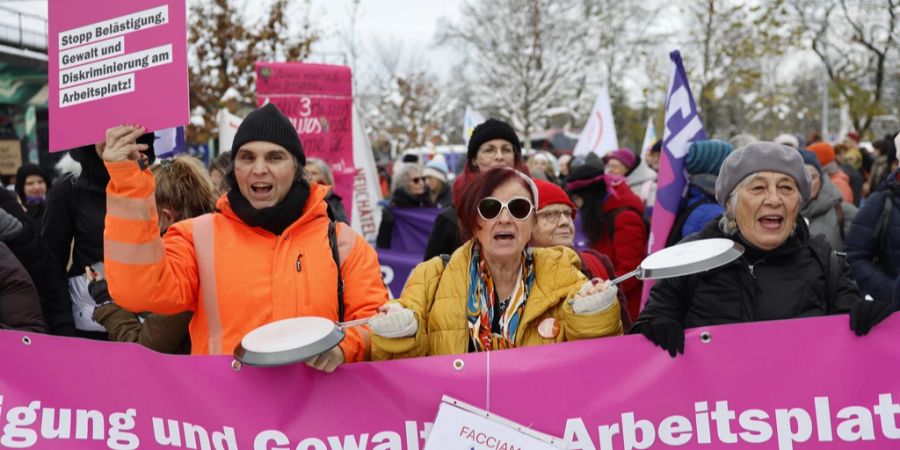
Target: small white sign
462, 426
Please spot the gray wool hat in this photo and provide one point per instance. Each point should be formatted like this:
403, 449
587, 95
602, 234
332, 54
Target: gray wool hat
760, 157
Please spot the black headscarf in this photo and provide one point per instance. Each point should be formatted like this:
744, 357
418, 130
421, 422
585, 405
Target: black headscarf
25, 171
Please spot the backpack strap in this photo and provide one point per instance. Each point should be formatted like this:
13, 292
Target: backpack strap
332, 242
675, 234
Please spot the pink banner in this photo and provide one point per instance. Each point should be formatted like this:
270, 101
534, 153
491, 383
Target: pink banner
800, 384
112, 62
318, 99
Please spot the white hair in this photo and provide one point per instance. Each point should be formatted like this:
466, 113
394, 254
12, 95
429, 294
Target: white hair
327, 177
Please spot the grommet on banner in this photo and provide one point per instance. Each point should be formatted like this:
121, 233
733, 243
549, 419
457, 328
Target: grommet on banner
458, 364
236, 365
26, 340
705, 337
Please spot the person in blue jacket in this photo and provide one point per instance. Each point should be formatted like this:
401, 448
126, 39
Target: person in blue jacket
702, 163
873, 243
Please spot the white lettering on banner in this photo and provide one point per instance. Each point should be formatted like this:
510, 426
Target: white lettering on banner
91, 53
30, 424
701, 408
131, 62
170, 432
140, 20
758, 430
96, 91
791, 426
675, 430
19, 431
385, 440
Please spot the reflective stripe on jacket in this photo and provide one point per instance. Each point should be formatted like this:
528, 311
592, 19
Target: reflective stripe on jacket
234, 277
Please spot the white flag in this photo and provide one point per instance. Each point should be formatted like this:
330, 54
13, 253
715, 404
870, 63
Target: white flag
599, 134
366, 215
649, 138
228, 125
472, 119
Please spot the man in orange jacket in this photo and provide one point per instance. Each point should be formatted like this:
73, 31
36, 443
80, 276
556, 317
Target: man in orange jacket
264, 255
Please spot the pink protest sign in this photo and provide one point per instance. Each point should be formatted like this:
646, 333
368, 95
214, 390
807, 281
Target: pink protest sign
318, 99
800, 384
113, 62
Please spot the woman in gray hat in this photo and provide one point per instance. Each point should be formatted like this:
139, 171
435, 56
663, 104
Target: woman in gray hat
783, 274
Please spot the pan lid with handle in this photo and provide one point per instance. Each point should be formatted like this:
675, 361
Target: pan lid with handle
690, 257
288, 341
685, 259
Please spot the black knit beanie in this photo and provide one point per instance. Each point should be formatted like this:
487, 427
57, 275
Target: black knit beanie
270, 125
489, 130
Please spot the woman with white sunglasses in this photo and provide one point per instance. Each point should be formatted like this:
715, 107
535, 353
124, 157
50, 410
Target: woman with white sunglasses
495, 292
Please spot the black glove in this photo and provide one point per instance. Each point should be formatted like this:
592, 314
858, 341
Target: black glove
665, 333
99, 292
866, 314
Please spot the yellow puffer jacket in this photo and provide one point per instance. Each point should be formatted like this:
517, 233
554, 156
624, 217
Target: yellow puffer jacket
437, 295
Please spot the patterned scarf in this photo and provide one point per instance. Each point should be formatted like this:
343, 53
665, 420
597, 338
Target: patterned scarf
482, 298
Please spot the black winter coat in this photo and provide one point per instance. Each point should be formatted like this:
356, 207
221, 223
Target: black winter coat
20, 308
76, 209
43, 268
788, 282
444, 239
876, 279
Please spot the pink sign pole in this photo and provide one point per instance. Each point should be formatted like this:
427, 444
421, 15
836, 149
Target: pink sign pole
113, 62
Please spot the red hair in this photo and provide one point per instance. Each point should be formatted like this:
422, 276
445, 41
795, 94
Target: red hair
481, 186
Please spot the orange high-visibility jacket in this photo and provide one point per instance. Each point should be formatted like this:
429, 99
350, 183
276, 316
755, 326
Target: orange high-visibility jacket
233, 276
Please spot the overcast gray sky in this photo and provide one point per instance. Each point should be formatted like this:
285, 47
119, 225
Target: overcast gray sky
412, 23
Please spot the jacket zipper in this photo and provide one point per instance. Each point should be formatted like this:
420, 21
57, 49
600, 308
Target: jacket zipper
305, 281
754, 289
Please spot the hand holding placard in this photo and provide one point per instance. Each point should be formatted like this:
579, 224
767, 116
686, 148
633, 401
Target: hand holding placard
121, 143
105, 57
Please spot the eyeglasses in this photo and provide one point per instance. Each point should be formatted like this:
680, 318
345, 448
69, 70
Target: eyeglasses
519, 208
553, 216
417, 180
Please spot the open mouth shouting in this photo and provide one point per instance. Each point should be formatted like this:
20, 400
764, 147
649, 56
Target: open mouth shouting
771, 222
504, 236
261, 189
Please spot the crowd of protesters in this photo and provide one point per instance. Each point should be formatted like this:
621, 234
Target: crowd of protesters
182, 258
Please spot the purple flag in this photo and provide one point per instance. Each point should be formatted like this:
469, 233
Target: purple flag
682, 127
412, 227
